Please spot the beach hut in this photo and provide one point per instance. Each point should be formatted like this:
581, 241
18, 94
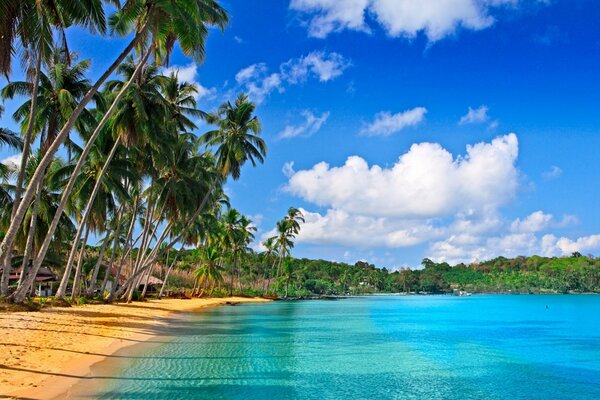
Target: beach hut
44, 281
154, 285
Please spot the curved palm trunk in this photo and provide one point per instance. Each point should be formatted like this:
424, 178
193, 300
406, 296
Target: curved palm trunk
31, 235
194, 288
162, 289
64, 282
60, 293
19, 297
155, 252
20, 178
79, 270
9, 238
146, 283
113, 255
92, 285
113, 287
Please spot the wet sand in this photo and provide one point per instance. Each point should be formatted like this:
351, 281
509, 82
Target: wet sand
43, 354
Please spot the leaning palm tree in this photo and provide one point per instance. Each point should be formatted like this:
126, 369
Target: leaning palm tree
160, 19
59, 90
26, 28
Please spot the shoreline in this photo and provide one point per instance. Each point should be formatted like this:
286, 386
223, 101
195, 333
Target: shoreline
44, 354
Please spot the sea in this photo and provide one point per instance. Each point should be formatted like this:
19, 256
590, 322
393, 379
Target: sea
373, 347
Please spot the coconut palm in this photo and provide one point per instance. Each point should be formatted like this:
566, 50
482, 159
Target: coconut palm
26, 28
59, 90
161, 18
237, 136
209, 273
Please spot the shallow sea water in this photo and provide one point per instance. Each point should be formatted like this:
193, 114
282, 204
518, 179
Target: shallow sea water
379, 347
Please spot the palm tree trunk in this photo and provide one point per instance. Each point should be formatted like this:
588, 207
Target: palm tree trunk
79, 269
113, 288
287, 283
162, 289
64, 282
194, 288
21, 177
89, 205
146, 283
10, 235
92, 285
115, 243
31, 235
155, 254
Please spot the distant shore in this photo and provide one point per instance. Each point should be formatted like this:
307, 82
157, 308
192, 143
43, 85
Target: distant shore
43, 354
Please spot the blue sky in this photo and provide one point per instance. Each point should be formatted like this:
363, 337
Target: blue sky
368, 107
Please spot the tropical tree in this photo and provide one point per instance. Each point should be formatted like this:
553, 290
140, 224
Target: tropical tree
26, 28
209, 273
163, 21
237, 136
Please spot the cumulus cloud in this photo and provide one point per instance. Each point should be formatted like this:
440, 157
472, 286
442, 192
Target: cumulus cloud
449, 204
454, 249
386, 123
436, 19
189, 74
535, 222
311, 125
427, 181
260, 83
338, 227
475, 116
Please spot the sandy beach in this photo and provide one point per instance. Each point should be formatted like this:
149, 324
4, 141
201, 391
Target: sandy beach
42, 354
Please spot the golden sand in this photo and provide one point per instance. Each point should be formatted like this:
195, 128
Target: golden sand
42, 354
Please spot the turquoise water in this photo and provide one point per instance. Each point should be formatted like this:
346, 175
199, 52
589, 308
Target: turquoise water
421, 347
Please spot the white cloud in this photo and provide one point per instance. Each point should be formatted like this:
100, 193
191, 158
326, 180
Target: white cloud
475, 116
386, 123
582, 244
238, 39
189, 74
535, 222
399, 18
323, 66
553, 173
13, 161
311, 125
288, 169
427, 181
259, 83
450, 204
338, 227
251, 72
453, 250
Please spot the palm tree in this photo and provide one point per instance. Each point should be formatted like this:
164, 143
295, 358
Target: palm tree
271, 252
163, 19
237, 136
209, 272
287, 229
28, 25
57, 95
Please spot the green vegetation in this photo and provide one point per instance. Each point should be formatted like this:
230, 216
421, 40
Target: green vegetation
259, 275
